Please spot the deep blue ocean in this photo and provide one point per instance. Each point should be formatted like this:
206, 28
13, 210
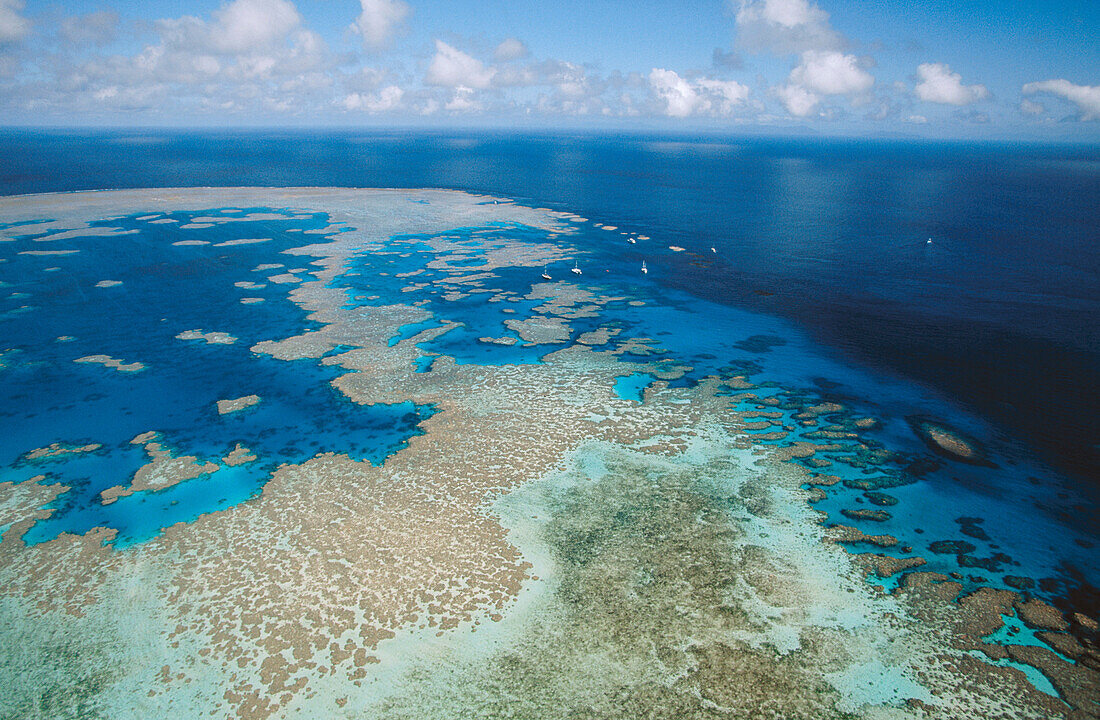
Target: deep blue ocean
960, 281
999, 312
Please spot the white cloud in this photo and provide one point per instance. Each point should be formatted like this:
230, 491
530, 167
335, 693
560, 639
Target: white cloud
1085, 97
677, 94
379, 20
237, 28
249, 56
820, 73
939, 85
463, 101
307, 82
724, 94
13, 26
831, 73
571, 80
681, 97
453, 68
917, 119
388, 98
784, 27
245, 25
510, 49
573, 89
799, 101
800, 27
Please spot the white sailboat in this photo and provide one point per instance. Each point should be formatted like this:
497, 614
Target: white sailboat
545, 274
576, 267
631, 240
645, 270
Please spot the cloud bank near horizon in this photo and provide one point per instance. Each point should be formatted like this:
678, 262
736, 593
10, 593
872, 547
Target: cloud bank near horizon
786, 63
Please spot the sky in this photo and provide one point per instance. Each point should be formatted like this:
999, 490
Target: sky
880, 68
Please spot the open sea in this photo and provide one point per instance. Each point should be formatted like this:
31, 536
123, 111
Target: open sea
944, 285
998, 314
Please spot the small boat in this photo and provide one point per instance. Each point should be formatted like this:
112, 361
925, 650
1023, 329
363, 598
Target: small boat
545, 274
929, 241
713, 250
576, 267
645, 270
632, 241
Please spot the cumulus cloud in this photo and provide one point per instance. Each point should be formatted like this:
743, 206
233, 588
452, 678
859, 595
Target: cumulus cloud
13, 26
939, 85
388, 98
379, 20
245, 25
451, 67
569, 88
510, 49
723, 95
821, 73
96, 28
677, 94
784, 27
238, 27
245, 40
798, 101
706, 96
831, 73
463, 100
1085, 97
569, 79
248, 56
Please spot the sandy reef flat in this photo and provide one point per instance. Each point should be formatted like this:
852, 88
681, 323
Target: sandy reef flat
545, 548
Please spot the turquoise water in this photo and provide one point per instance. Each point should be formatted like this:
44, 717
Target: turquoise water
997, 314
632, 387
166, 289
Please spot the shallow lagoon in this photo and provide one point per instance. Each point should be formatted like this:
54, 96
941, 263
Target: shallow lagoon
416, 372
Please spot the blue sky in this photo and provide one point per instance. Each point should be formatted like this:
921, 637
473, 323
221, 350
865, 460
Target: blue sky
1022, 68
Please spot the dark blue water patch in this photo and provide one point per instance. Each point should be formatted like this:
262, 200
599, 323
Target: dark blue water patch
163, 286
829, 232
467, 263
300, 414
423, 363
632, 387
276, 434
465, 346
338, 350
288, 426
167, 289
